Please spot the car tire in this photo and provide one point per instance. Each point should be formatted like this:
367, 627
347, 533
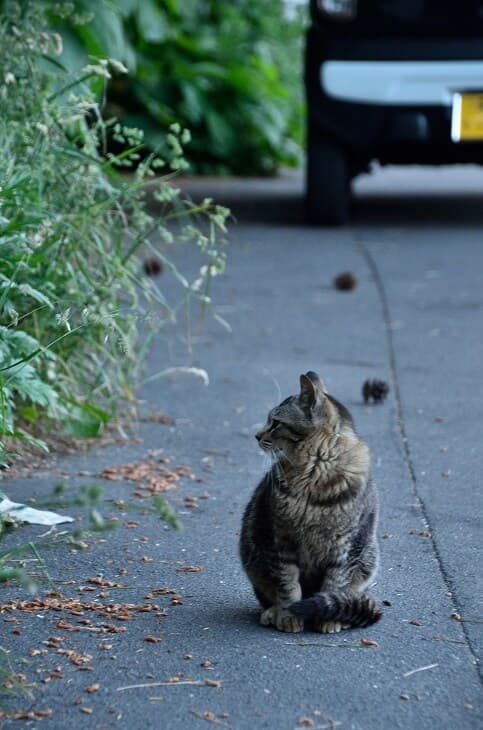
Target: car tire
328, 193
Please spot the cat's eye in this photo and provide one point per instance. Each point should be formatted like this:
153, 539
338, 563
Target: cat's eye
274, 424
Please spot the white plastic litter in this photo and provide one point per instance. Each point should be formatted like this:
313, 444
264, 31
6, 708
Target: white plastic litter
22, 513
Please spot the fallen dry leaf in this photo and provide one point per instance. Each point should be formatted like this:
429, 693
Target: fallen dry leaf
120, 611
368, 642
151, 476
404, 696
93, 688
456, 616
161, 592
190, 502
76, 657
26, 714
153, 639
415, 622
158, 417
307, 721
56, 674
66, 626
98, 581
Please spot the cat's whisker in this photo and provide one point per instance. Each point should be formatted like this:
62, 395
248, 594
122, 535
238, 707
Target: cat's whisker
276, 383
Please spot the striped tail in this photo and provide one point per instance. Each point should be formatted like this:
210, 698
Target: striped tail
348, 608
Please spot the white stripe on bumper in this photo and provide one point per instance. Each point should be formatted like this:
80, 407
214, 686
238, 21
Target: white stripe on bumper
400, 82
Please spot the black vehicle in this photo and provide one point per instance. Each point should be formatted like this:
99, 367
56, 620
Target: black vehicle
390, 80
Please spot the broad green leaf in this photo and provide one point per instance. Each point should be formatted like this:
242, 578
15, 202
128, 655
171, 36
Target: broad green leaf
152, 22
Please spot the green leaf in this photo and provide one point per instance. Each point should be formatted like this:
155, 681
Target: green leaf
90, 410
126, 7
7, 573
83, 428
166, 513
222, 133
152, 22
104, 36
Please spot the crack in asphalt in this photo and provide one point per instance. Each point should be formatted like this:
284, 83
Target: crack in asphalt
377, 278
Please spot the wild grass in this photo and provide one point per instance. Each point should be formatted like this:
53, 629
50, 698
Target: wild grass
77, 316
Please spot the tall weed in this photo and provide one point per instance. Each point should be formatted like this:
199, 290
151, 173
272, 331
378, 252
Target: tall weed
75, 316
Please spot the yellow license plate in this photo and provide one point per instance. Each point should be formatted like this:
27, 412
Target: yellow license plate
467, 117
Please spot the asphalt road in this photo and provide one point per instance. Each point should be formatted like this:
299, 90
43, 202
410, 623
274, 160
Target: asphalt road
415, 319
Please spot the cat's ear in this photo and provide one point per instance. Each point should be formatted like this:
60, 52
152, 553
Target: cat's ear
312, 389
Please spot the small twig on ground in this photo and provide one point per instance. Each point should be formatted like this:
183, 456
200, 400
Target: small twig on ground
198, 682
420, 669
328, 726
353, 645
450, 641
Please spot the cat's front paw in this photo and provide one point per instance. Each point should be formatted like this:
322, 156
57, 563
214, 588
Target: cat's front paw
282, 619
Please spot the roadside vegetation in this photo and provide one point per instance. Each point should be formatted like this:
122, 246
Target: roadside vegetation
76, 313
229, 71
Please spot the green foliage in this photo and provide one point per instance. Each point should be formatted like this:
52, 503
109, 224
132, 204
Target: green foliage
76, 316
229, 71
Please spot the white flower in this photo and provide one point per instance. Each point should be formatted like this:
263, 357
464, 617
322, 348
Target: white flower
43, 128
98, 70
57, 40
9, 78
118, 66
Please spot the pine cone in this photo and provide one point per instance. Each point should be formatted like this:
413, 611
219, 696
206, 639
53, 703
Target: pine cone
345, 281
375, 390
152, 266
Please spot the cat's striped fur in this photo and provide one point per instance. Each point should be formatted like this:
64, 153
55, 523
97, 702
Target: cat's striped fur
308, 541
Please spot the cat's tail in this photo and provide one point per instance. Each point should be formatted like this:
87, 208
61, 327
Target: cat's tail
354, 610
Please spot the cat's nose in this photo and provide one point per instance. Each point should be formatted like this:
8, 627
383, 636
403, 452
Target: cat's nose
258, 436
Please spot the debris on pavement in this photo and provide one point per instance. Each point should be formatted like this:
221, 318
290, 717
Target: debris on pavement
17, 513
152, 266
346, 281
375, 390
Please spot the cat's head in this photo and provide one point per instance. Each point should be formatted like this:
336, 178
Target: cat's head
300, 417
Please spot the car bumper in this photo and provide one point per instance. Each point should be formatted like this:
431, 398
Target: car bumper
392, 103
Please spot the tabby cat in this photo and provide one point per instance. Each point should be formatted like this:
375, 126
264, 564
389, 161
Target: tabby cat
308, 542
